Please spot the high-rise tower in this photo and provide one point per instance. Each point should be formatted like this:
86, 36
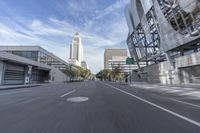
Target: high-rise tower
76, 50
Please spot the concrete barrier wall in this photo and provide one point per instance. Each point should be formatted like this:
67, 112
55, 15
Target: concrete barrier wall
190, 74
189, 67
159, 73
56, 76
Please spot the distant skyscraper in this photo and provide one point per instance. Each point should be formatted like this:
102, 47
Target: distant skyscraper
76, 50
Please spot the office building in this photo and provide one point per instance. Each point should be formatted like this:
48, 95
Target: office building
38, 54
115, 52
30, 64
119, 62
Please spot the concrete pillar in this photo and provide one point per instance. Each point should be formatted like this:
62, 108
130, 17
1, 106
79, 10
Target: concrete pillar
182, 53
1, 71
28, 75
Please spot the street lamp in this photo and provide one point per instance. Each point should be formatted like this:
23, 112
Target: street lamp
70, 72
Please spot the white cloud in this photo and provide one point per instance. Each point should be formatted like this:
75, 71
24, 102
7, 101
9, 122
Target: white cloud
55, 35
8, 34
40, 28
110, 9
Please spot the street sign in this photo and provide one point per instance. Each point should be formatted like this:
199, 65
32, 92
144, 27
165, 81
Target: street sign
129, 61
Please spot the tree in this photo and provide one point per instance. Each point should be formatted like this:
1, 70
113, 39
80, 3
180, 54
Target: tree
99, 75
78, 73
116, 72
87, 74
104, 74
70, 72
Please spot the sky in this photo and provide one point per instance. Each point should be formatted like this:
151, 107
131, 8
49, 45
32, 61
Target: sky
52, 23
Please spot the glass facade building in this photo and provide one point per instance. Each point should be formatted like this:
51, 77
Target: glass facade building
36, 53
33, 55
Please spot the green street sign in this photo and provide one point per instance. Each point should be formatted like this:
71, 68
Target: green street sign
129, 61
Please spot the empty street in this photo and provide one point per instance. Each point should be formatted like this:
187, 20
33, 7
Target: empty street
95, 107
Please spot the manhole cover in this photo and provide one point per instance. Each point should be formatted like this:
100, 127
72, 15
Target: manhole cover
77, 99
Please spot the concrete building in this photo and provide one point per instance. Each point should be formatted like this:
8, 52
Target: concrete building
120, 63
36, 53
76, 50
30, 64
165, 35
110, 53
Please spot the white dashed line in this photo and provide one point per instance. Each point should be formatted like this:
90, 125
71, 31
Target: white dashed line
67, 93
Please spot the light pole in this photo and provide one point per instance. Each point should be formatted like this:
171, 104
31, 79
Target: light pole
70, 72
130, 72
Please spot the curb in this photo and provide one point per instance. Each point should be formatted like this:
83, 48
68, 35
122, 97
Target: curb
18, 87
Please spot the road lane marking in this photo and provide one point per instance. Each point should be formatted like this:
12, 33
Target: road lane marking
77, 99
157, 106
12, 92
29, 101
191, 104
67, 93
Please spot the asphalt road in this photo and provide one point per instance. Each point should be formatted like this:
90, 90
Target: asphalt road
95, 107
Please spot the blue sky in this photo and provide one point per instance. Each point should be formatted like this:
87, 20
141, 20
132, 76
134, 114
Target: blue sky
52, 23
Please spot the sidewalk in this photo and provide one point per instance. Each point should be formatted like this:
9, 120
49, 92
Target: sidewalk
189, 90
7, 87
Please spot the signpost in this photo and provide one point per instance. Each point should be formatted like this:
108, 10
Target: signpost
129, 61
